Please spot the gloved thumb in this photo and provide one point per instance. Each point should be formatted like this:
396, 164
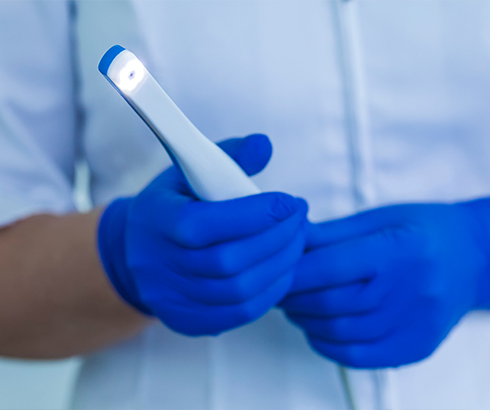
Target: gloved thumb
252, 153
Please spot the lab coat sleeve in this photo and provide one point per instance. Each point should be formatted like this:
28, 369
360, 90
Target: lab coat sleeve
37, 110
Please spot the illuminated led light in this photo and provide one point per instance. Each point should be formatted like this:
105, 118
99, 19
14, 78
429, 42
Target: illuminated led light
131, 75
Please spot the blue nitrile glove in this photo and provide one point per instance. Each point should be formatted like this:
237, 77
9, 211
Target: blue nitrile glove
204, 267
384, 287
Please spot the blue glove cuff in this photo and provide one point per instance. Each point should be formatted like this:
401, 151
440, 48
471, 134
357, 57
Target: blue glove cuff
112, 251
479, 210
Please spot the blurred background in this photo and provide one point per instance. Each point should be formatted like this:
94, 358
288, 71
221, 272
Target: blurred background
36, 385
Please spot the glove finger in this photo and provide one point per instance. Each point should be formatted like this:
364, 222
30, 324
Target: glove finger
343, 263
196, 319
361, 328
399, 348
364, 223
241, 287
233, 257
252, 153
196, 224
356, 298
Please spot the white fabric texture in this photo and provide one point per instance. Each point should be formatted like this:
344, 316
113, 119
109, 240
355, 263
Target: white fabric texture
367, 102
37, 115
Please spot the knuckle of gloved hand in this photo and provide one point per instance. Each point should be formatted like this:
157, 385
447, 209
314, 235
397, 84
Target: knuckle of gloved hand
284, 206
224, 261
187, 230
240, 289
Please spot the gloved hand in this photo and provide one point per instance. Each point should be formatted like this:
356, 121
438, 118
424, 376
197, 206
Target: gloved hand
204, 267
383, 288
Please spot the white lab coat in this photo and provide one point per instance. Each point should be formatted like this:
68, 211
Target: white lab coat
367, 102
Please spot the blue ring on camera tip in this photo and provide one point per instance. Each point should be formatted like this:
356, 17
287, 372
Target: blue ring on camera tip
108, 58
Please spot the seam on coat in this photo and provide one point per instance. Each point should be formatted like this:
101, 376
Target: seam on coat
359, 142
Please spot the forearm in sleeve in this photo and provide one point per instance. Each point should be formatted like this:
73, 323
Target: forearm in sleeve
55, 299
